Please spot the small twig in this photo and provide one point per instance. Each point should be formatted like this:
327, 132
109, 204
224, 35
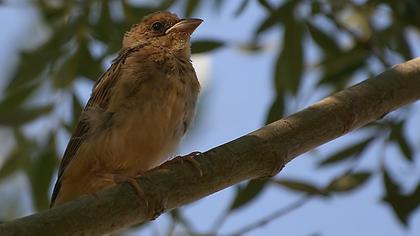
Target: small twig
267, 219
220, 221
171, 228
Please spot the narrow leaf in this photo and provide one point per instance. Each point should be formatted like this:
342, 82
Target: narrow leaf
276, 109
248, 193
403, 205
397, 135
347, 153
21, 116
323, 40
300, 186
241, 7
204, 46
348, 182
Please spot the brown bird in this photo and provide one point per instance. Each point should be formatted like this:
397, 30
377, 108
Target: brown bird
138, 111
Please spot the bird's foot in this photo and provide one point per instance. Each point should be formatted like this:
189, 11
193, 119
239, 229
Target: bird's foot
119, 179
190, 159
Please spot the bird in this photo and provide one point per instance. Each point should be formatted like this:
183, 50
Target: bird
138, 111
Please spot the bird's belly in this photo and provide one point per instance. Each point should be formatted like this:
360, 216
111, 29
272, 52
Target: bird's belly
143, 136
140, 142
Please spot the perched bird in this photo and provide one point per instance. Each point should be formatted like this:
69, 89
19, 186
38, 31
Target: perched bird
138, 111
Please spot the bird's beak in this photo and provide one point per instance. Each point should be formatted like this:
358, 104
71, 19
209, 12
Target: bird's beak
185, 25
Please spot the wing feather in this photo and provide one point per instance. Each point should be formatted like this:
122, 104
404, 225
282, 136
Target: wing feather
99, 98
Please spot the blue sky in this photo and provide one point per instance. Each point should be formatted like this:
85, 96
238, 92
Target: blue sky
234, 102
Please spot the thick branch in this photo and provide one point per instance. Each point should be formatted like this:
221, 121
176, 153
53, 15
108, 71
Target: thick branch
258, 154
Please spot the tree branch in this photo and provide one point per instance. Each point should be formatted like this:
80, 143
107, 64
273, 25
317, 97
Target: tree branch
261, 153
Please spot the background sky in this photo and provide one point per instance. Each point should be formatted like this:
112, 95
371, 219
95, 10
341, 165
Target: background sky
235, 99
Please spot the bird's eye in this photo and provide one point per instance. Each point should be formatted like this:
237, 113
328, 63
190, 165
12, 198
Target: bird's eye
157, 26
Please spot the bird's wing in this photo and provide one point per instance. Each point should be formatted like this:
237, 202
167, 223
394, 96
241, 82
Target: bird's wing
99, 98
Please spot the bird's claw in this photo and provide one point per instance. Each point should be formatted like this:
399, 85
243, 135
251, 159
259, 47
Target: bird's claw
190, 159
119, 179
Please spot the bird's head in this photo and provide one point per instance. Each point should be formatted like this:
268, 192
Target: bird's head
163, 29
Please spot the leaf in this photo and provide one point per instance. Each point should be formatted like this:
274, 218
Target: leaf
276, 16
165, 4
40, 174
14, 162
30, 67
300, 186
19, 158
217, 5
109, 31
289, 64
65, 73
341, 66
323, 40
402, 205
315, 7
241, 7
248, 193
266, 5
16, 98
397, 135
266, 24
402, 46
204, 46
276, 110
191, 6
33, 63
348, 152
87, 65
347, 182
251, 47
20, 116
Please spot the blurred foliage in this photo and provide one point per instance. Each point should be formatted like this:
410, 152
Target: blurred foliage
352, 37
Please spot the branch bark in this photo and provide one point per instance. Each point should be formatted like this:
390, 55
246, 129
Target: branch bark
261, 153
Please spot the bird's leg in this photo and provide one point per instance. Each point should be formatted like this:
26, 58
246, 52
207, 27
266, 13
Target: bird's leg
119, 179
190, 159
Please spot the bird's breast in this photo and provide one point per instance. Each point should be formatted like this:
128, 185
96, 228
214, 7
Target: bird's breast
148, 124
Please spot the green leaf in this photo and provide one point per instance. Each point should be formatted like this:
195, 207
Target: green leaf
110, 32
276, 110
403, 47
14, 162
65, 74
277, 16
338, 68
289, 64
165, 4
241, 7
348, 152
20, 116
134, 13
19, 158
87, 65
397, 135
40, 174
403, 205
323, 40
33, 63
248, 193
315, 7
191, 6
301, 186
266, 24
250, 47
30, 67
204, 46
16, 98
265, 4
347, 182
